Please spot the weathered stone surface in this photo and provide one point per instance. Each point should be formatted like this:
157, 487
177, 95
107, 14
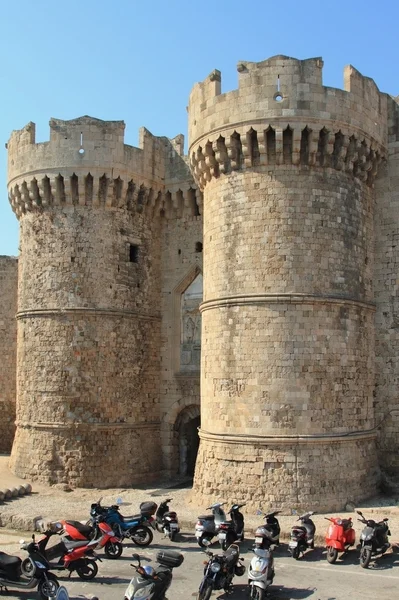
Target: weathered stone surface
295, 202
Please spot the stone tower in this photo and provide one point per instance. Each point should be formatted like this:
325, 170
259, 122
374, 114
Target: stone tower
287, 167
89, 299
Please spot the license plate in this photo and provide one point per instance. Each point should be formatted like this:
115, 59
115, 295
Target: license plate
258, 540
292, 544
222, 536
174, 526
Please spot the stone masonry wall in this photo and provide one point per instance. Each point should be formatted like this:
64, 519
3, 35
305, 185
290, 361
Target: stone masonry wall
387, 291
287, 168
181, 263
8, 349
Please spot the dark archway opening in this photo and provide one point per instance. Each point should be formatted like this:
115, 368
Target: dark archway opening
189, 443
186, 428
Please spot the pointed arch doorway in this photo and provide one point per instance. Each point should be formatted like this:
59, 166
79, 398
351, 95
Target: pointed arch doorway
187, 439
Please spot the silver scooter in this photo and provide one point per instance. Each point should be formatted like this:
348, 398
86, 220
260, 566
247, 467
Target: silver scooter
208, 525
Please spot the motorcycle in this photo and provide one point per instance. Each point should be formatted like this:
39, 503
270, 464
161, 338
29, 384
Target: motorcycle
268, 534
339, 538
166, 521
302, 536
233, 530
219, 571
150, 583
373, 539
260, 573
99, 530
40, 577
208, 525
135, 527
72, 556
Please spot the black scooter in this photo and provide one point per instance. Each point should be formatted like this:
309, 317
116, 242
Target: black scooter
302, 536
166, 521
11, 573
150, 583
373, 539
268, 534
232, 531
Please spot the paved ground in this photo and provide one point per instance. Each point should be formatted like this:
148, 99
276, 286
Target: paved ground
311, 577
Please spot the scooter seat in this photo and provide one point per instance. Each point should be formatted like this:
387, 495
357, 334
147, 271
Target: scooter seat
85, 530
207, 517
7, 561
132, 517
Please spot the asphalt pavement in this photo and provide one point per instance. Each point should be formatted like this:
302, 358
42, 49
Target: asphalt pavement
309, 577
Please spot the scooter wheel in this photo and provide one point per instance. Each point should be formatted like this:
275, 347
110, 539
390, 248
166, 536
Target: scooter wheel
27, 567
141, 536
295, 553
230, 539
365, 557
113, 549
201, 541
47, 588
257, 593
206, 592
89, 571
332, 555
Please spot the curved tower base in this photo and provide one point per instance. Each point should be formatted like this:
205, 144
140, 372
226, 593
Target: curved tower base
282, 473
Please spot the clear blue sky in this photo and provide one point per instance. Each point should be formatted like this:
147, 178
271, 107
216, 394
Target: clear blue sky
137, 60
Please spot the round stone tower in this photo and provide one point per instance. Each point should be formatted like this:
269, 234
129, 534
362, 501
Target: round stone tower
287, 168
88, 303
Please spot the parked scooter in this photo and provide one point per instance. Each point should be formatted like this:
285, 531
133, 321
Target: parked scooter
166, 521
208, 525
99, 530
135, 527
220, 570
302, 536
233, 530
373, 539
260, 573
150, 583
268, 534
40, 577
339, 538
70, 555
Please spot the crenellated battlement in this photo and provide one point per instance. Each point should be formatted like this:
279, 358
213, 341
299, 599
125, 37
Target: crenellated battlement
86, 162
281, 113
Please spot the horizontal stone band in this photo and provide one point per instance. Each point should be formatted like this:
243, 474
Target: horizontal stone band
73, 425
275, 440
109, 312
253, 299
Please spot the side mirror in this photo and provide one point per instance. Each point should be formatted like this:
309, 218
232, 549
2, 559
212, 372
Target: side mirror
359, 513
136, 557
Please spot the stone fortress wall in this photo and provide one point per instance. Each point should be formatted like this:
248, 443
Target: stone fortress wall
90, 299
288, 384
8, 348
294, 201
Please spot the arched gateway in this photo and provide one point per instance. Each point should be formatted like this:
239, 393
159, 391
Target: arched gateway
186, 440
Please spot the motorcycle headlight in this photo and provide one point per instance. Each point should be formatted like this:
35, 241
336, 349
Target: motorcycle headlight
215, 567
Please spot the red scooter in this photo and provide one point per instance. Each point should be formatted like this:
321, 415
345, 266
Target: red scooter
67, 555
339, 538
99, 530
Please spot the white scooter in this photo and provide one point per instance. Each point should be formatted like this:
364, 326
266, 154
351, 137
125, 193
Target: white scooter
260, 573
208, 525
